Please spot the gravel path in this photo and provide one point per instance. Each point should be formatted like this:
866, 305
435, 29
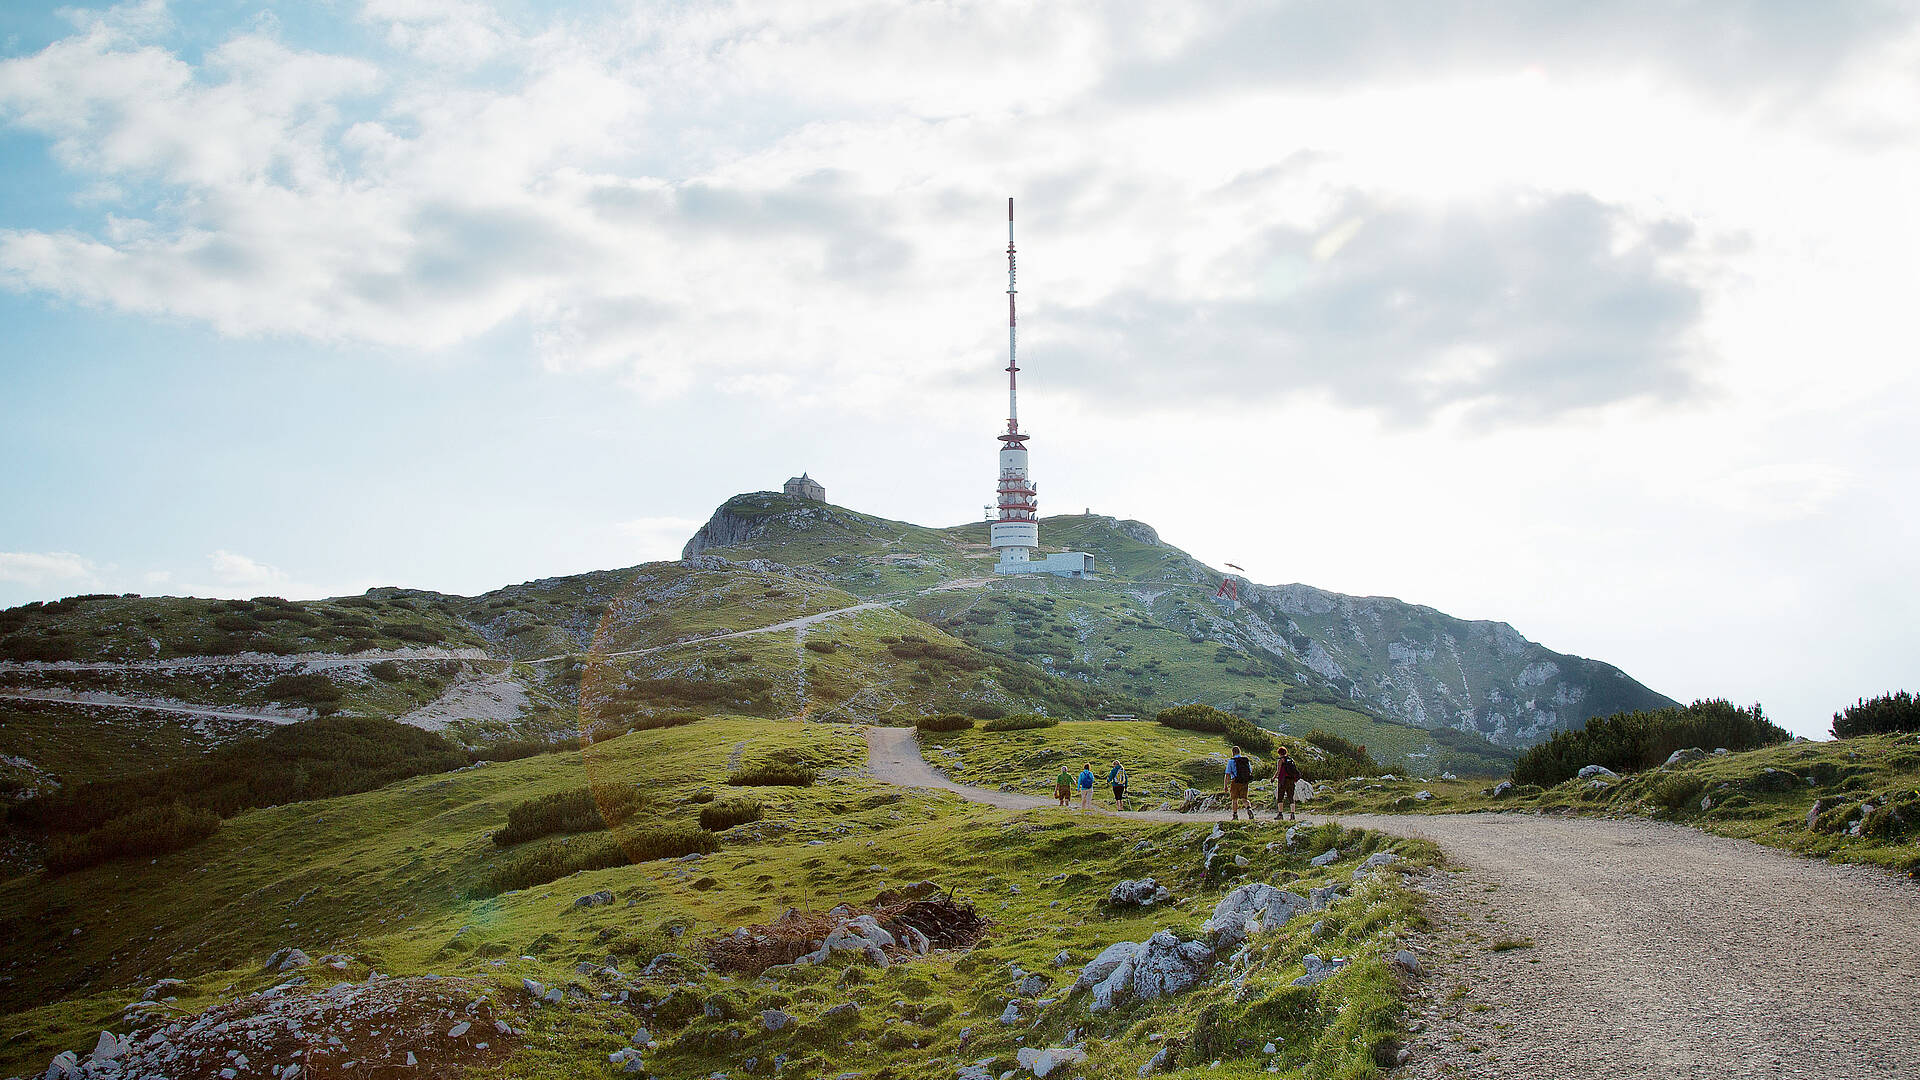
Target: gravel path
1658, 951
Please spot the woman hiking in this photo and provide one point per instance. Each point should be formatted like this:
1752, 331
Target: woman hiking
1117, 780
1287, 777
1086, 786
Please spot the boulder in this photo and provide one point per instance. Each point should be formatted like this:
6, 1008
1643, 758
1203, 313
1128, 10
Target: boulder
533, 988
1158, 1063
1405, 960
64, 1066
1101, 967
604, 896
1248, 908
1062, 958
1379, 859
1169, 966
912, 938
1683, 757
1325, 858
107, 1050
1132, 893
1031, 986
775, 1020
1589, 772
287, 960
1721, 751
1010, 1016
1321, 897
1049, 1060
1423, 796
1501, 789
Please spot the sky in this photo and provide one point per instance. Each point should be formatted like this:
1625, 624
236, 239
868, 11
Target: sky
1594, 318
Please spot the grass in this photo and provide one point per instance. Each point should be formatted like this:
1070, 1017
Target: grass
402, 878
1510, 944
1161, 762
1762, 795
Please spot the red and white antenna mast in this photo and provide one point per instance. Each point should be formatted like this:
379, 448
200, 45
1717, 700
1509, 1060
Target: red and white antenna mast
1013, 365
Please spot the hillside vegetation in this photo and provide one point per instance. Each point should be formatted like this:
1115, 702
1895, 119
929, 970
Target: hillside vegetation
408, 880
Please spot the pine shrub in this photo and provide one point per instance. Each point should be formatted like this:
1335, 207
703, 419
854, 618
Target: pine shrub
583, 809
944, 722
1899, 711
1634, 741
726, 813
1020, 722
149, 831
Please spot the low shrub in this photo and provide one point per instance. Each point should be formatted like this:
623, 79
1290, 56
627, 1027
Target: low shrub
515, 749
419, 632
1633, 741
1677, 792
1208, 719
311, 689
582, 809
149, 831
984, 710
1019, 722
313, 759
1343, 757
943, 722
726, 813
385, 671
665, 720
772, 774
554, 860
1875, 716
825, 648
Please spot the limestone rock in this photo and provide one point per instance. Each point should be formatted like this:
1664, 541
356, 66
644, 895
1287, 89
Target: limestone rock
1589, 772
1405, 960
1325, 858
1049, 1060
775, 1020
1684, 757
604, 896
1140, 893
1379, 859
287, 960
1501, 789
1252, 906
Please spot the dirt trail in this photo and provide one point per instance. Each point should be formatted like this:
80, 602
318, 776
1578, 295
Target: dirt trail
1658, 951
115, 701
790, 624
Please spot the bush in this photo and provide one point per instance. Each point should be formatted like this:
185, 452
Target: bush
583, 809
426, 635
984, 710
1677, 792
1877, 716
555, 860
1633, 741
772, 774
313, 689
943, 722
149, 831
515, 749
726, 813
666, 720
825, 648
1019, 722
313, 759
1343, 758
385, 671
1208, 719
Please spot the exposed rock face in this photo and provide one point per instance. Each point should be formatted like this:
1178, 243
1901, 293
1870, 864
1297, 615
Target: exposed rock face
1158, 967
1433, 670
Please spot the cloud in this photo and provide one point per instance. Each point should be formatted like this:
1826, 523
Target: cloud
1531, 306
759, 198
45, 569
231, 568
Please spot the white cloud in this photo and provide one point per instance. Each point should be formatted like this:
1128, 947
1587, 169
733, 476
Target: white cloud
47, 569
657, 537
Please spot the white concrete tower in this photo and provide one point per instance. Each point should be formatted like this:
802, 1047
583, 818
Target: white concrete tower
1017, 531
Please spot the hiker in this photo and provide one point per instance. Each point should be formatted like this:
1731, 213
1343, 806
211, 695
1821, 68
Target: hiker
1086, 786
1287, 775
1239, 775
1063, 786
1117, 780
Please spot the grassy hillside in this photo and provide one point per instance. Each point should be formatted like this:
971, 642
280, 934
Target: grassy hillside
405, 881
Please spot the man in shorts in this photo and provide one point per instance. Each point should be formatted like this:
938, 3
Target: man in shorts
1239, 776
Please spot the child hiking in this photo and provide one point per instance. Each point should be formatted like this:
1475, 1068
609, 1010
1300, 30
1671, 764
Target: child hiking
1287, 777
1063, 787
1086, 786
1117, 780
1239, 775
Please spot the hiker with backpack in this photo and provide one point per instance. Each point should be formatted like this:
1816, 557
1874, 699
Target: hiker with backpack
1117, 780
1287, 777
1086, 787
1239, 775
